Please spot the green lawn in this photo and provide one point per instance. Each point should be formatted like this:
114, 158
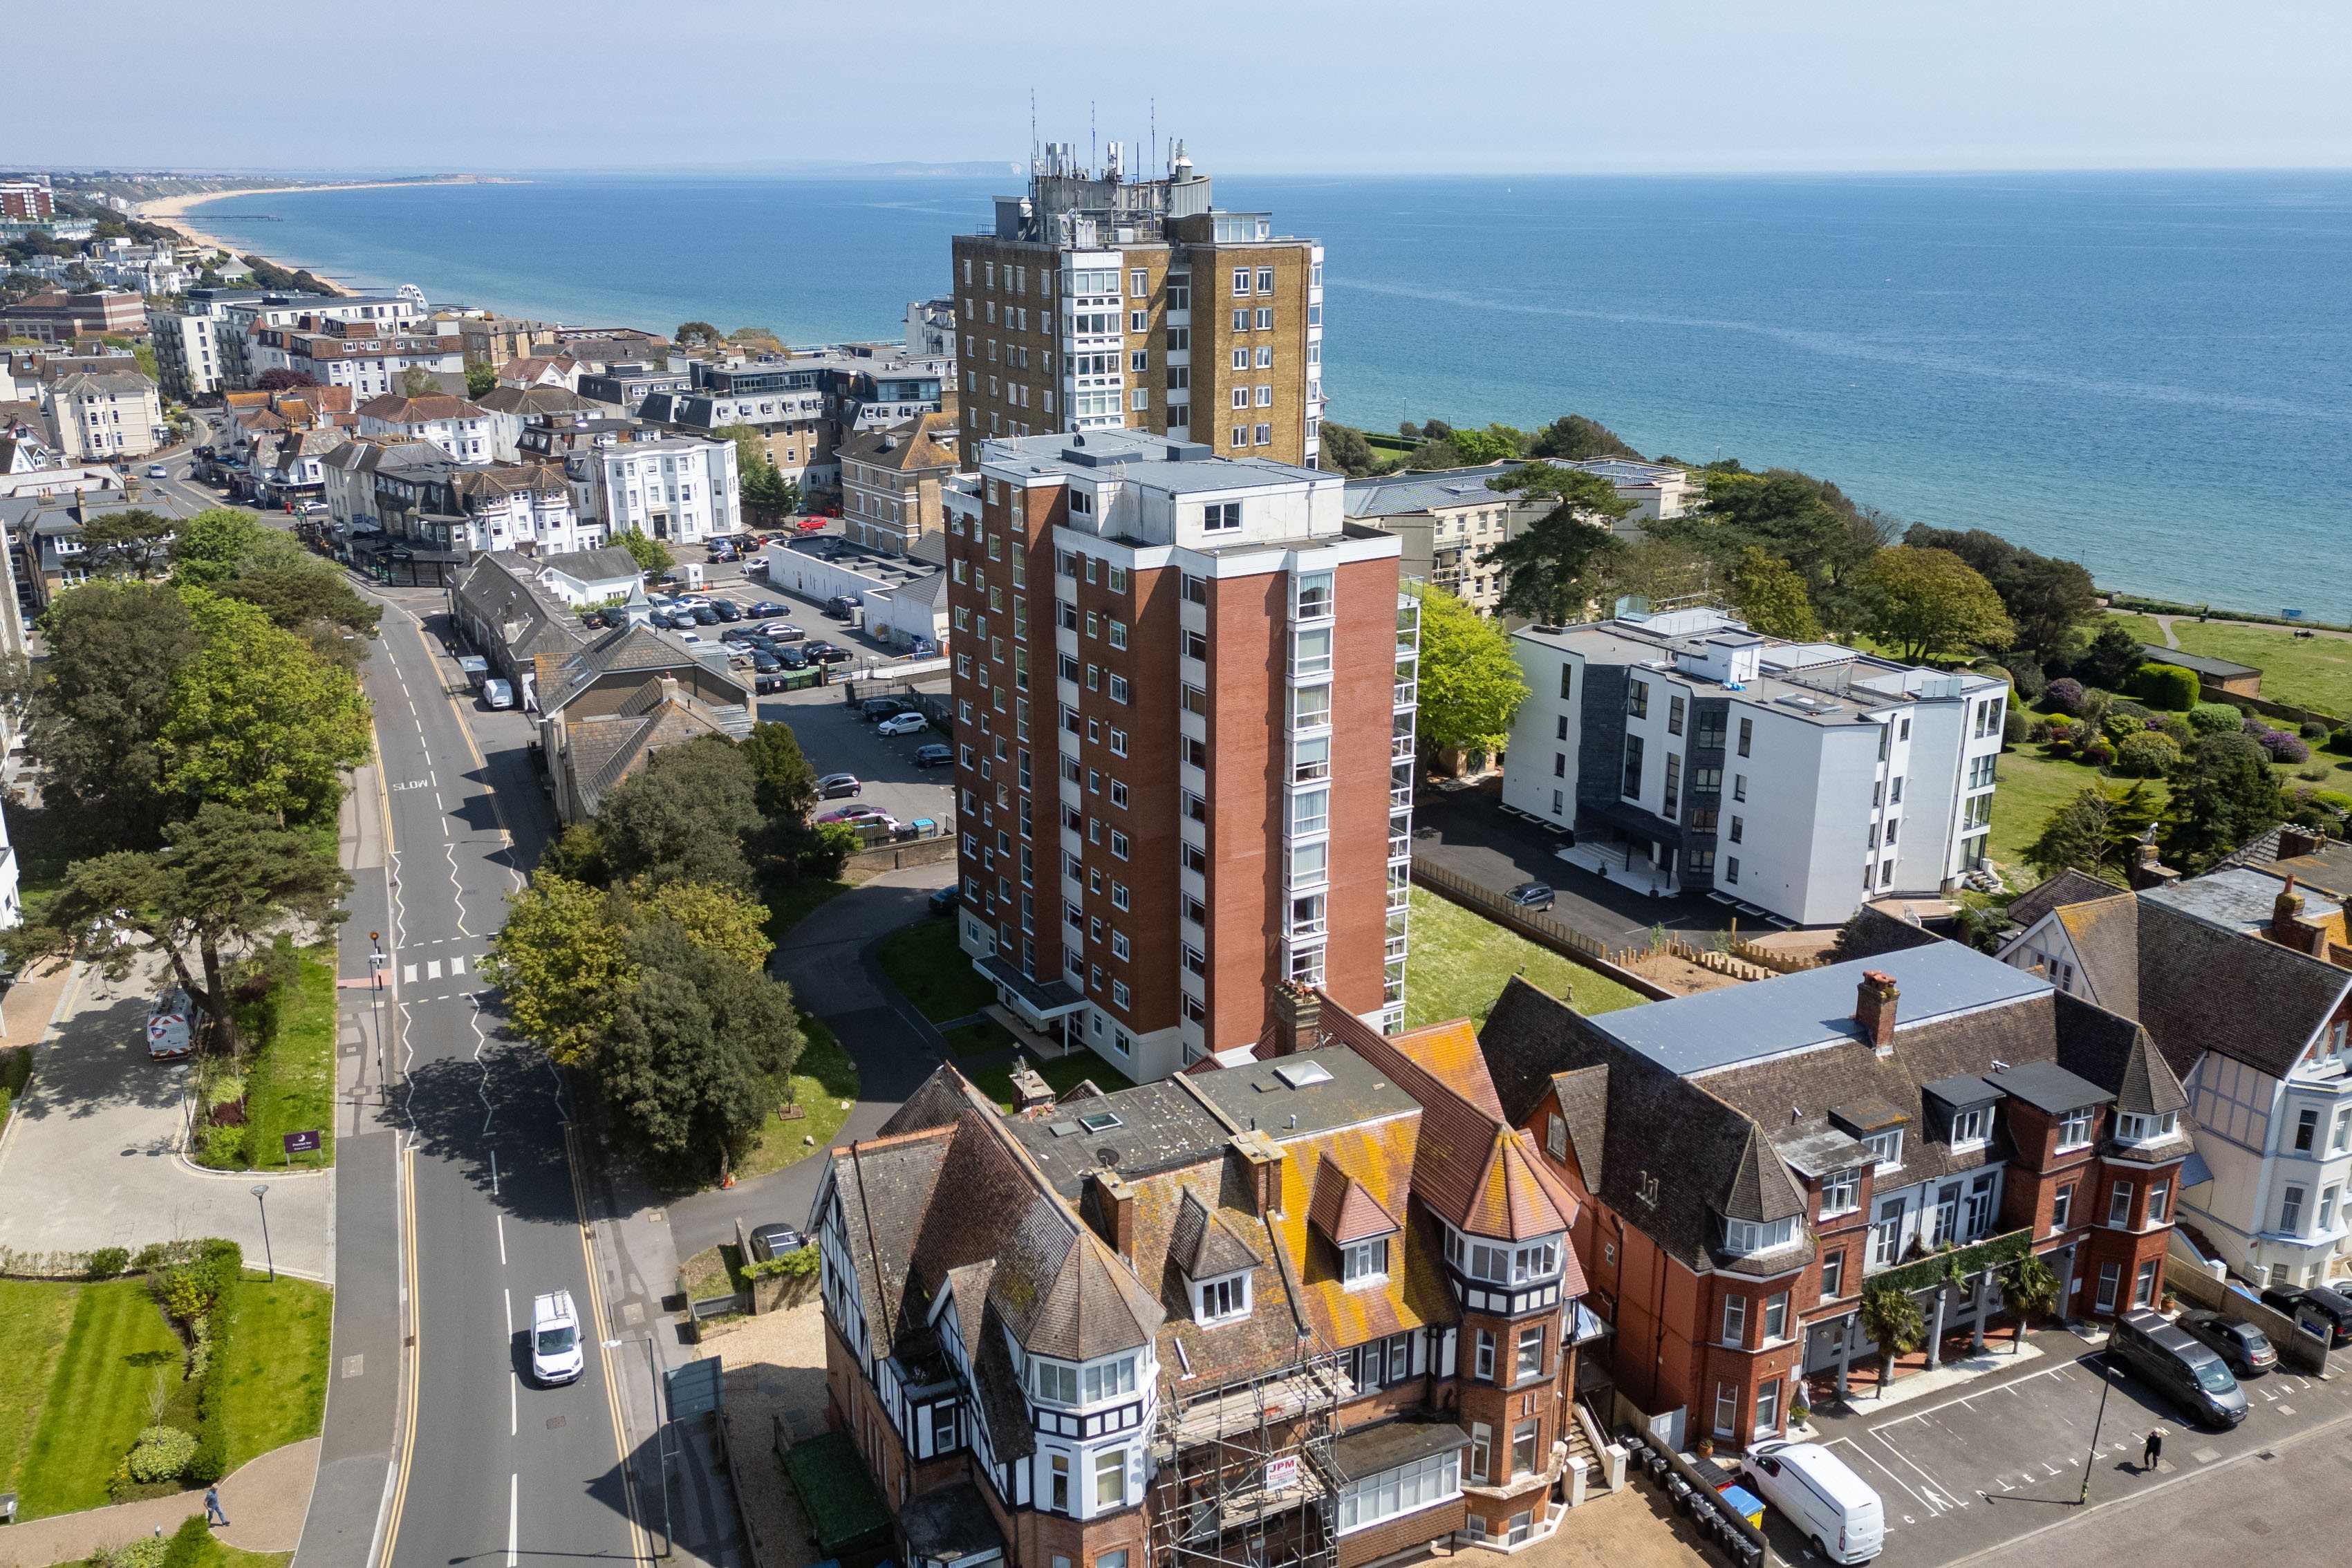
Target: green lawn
978, 1038
35, 1318
2310, 672
97, 1399
931, 972
2032, 786
788, 903
822, 1079
290, 1083
1460, 962
274, 1388
1062, 1074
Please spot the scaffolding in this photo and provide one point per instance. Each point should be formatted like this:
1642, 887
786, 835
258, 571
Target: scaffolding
1243, 1474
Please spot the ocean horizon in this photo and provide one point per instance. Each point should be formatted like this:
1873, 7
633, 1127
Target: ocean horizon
2146, 372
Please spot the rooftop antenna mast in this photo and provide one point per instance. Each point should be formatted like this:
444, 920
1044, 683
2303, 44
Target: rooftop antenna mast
1093, 156
1032, 130
1155, 131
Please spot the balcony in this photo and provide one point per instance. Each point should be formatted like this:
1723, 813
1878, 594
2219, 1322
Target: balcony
1400, 748
1400, 848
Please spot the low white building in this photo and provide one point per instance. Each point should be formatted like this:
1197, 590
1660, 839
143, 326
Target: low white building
591, 576
460, 428
681, 490
1687, 753
1656, 489
899, 598
108, 416
1447, 522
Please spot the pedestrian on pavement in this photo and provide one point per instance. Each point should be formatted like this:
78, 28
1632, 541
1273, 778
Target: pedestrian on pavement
212, 1514
2155, 1449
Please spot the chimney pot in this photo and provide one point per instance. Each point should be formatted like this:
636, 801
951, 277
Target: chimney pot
1297, 1019
1875, 1009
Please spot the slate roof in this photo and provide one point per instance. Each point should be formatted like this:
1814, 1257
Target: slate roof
1064, 1293
504, 591
609, 563
606, 750
903, 447
631, 647
529, 401
1205, 1245
2068, 887
1515, 1041
1583, 1097
394, 409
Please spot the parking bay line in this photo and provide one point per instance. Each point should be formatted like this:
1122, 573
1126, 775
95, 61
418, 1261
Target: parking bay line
1860, 1452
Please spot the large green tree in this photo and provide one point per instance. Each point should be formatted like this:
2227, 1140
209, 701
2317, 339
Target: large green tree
2096, 832
257, 720
687, 818
1770, 595
1573, 438
2113, 656
133, 541
2223, 794
1558, 565
1931, 603
1345, 448
1801, 519
224, 878
1470, 683
98, 705
650, 553
694, 335
2049, 600
210, 546
698, 1051
481, 380
784, 783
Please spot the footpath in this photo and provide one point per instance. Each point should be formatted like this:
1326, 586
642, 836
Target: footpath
264, 1500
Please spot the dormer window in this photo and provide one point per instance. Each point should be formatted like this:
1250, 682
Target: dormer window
1222, 1300
1885, 1149
1972, 1128
2074, 1128
1749, 1237
2137, 1127
1365, 1262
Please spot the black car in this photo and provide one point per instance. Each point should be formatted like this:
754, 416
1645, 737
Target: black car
772, 1241
2246, 1348
934, 756
825, 653
662, 619
2192, 1375
704, 615
726, 609
790, 658
875, 707
765, 663
833, 785
767, 607
944, 902
838, 609
1531, 896
2316, 1305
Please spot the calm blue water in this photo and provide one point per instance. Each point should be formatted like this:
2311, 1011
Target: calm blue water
2152, 374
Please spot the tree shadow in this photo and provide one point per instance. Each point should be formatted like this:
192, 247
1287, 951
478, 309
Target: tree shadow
501, 1122
97, 1062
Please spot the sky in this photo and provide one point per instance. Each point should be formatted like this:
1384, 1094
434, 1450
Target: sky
1364, 88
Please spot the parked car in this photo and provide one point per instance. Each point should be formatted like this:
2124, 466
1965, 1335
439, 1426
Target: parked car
690, 601
903, 724
861, 816
726, 609
832, 784
791, 658
825, 653
772, 1241
945, 901
704, 615
766, 663
555, 1353
1815, 1490
784, 631
1531, 895
2317, 1305
498, 694
168, 1034
689, 637
2186, 1372
875, 707
934, 756
2246, 1348
810, 525
767, 607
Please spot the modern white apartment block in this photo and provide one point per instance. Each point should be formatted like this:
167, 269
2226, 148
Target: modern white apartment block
1687, 753
680, 489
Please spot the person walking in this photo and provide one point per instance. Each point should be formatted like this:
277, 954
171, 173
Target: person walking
2155, 1449
212, 1514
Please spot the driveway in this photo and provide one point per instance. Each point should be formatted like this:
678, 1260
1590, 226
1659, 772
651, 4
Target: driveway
1993, 1461
1461, 829
89, 1158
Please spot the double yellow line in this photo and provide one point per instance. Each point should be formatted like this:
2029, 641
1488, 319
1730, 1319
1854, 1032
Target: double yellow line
413, 1350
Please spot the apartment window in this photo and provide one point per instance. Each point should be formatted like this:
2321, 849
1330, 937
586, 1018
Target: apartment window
2306, 1130
1886, 1234
1834, 1276
1885, 1148
1483, 1362
1265, 360
1735, 1320
1739, 828
1637, 699
1241, 320
2119, 1203
1482, 1439
1138, 284
1365, 1261
2062, 1207
1061, 1487
1632, 787
1739, 786
2111, 1276
1567, 681
2074, 1129
1840, 1193
2159, 1202
1726, 1409
1768, 1407
1110, 1478
1971, 1127
1731, 869
2144, 1285
1241, 360
1118, 844
1264, 435
1674, 715
1747, 734
1265, 279
1118, 689
1673, 796
2290, 1210
2140, 1129
1117, 742
1531, 1353
2326, 1205
2343, 1134
1224, 1299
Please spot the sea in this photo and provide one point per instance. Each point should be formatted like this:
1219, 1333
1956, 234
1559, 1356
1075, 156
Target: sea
2149, 373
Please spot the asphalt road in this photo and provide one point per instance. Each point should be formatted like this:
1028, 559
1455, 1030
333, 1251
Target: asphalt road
497, 1466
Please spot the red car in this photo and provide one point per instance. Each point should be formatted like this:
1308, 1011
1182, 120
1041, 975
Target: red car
810, 525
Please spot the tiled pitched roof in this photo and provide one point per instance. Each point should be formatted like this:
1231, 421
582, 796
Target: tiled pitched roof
394, 409
2204, 987
1515, 1040
2105, 934
1204, 1245
1516, 1198
1762, 1188
1344, 1208
1064, 1293
1449, 1053
608, 748
2068, 887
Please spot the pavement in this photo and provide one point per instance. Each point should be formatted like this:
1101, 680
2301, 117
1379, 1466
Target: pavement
1460, 828
1990, 1465
91, 1157
264, 1499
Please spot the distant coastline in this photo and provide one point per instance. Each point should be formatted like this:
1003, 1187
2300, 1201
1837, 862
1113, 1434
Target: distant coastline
173, 210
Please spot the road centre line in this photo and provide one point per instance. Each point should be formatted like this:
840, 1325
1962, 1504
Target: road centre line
501, 1220
514, 1500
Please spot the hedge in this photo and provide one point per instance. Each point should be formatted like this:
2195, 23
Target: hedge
2167, 686
2215, 719
1990, 1253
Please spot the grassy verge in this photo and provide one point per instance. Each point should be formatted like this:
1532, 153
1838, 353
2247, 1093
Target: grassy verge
1460, 962
35, 1320
2310, 672
290, 1083
822, 1080
931, 972
788, 903
2032, 785
97, 1399
273, 1389
1062, 1074
978, 1038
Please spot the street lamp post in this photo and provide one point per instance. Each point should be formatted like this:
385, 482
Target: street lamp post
261, 1197
2105, 1384
377, 965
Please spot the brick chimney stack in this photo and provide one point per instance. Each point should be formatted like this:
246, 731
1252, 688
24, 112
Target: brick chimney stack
1874, 1009
2285, 910
2146, 871
1114, 1206
1297, 1019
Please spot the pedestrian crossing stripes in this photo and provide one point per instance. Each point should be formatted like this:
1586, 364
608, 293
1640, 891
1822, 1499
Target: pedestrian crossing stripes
434, 968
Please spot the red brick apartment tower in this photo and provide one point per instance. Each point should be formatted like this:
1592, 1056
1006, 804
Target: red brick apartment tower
1184, 695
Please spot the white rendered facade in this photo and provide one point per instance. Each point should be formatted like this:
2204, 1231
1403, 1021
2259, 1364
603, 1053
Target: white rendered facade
1690, 754
681, 490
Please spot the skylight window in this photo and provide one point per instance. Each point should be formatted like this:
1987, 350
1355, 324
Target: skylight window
1298, 1075
1100, 1121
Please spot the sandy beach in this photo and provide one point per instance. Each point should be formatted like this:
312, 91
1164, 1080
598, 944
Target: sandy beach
173, 210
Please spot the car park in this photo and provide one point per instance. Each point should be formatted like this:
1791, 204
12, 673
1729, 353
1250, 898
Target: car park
783, 631
690, 601
934, 756
2246, 1348
1531, 896
839, 608
770, 1242
556, 1356
791, 657
832, 784
170, 1035
2326, 1312
903, 724
1815, 1490
765, 663
875, 707
2188, 1373
704, 615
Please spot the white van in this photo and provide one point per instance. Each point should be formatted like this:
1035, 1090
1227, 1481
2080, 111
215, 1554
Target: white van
555, 1353
1830, 1505
169, 1036
498, 693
